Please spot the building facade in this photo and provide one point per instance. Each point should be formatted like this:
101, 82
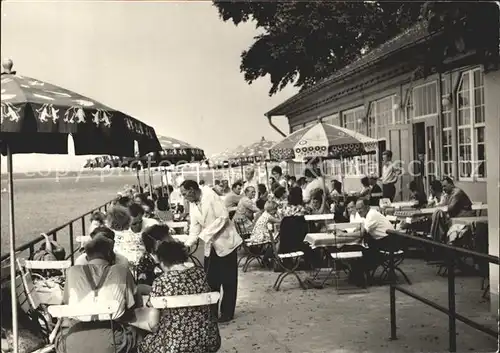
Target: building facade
440, 124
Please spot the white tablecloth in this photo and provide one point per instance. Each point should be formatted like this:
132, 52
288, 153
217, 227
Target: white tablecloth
321, 240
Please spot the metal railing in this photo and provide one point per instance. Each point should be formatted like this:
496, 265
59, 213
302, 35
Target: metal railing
451, 254
70, 226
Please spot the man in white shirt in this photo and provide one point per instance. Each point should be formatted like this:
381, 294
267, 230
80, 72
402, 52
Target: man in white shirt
209, 221
375, 223
375, 227
314, 181
390, 176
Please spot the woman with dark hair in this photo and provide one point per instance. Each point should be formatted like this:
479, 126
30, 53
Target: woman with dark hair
262, 192
149, 208
163, 212
295, 205
191, 329
96, 220
148, 263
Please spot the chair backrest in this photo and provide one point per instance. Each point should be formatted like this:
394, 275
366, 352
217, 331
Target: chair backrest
45, 265
97, 308
183, 301
241, 228
293, 230
320, 217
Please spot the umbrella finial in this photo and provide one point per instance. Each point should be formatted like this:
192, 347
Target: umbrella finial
320, 119
7, 65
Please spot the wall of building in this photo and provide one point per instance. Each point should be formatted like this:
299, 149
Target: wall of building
397, 85
492, 83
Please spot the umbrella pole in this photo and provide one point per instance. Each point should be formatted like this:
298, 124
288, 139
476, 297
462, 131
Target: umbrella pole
137, 174
161, 180
12, 249
267, 177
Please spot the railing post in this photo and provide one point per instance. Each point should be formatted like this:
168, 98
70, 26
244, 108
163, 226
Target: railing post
452, 329
71, 244
83, 225
392, 293
32, 251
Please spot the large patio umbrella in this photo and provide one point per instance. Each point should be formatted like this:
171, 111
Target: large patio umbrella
324, 141
253, 153
38, 117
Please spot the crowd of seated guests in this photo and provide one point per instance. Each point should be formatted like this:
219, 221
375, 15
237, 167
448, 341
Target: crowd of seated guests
104, 272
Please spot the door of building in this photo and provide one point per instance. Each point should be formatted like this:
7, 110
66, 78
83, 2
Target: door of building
399, 144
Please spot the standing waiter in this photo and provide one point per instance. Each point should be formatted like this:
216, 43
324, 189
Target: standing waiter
209, 221
390, 176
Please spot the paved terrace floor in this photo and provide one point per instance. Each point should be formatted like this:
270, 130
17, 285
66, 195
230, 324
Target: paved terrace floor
323, 321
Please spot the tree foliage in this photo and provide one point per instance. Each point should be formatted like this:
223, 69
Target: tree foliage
303, 42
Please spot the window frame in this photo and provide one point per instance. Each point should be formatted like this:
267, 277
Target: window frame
447, 113
414, 101
360, 108
472, 126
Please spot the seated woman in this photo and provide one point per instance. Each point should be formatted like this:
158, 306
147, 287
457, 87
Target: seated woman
260, 233
96, 220
102, 281
149, 209
246, 209
115, 259
262, 193
181, 330
260, 205
163, 213
295, 204
127, 243
148, 263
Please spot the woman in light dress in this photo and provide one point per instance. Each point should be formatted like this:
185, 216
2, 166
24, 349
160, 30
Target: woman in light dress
246, 209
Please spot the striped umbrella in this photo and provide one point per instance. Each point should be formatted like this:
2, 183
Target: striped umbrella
174, 150
323, 140
255, 152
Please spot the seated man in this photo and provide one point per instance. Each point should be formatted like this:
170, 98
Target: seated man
116, 259
459, 204
374, 232
102, 281
417, 195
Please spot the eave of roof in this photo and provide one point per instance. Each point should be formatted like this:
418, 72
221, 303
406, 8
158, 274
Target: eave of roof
409, 38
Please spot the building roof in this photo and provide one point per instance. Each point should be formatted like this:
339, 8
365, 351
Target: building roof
408, 38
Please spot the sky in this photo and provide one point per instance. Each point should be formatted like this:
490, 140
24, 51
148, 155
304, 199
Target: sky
173, 65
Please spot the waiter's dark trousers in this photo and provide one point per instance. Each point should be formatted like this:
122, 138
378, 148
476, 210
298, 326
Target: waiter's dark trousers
223, 271
388, 191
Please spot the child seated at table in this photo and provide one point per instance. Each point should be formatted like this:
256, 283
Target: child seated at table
260, 232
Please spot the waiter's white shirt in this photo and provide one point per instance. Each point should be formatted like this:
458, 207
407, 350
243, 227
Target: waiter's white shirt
209, 221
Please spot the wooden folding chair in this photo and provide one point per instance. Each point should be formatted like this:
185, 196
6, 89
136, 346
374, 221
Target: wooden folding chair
103, 310
30, 301
252, 251
183, 301
288, 262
